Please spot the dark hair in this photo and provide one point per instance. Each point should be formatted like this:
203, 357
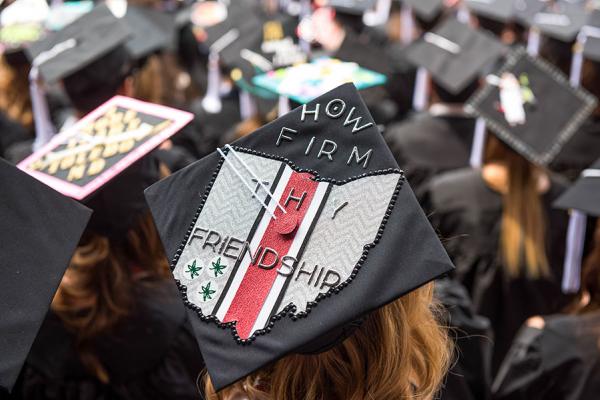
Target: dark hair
491, 25
590, 78
96, 83
557, 52
460, 97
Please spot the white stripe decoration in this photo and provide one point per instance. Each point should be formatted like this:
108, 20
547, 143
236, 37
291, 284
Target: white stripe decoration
260, 182
212, 100
442, 42
239, 175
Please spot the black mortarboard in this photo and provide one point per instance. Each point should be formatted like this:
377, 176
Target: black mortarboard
352, 7
524, 10
497, 10
427, 10
102, 159
584, 194
524, 113
317, 162
455, 54
152, 31
561, 20
40, 231
77, 45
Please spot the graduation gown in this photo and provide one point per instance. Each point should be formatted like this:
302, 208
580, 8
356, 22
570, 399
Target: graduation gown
470, 376
426, 145
149, 354
11, 133
560, 361
580, 151
468, 214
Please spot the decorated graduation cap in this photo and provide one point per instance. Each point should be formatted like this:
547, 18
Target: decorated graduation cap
582, 199
519, 104
273, 46
454, 54
102, 159
41, 229
497, 10
21, 23
291, 234
304, 82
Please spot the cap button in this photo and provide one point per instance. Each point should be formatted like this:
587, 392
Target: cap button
286, 224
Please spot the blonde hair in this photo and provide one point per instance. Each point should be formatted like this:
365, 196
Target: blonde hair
400, 351
522, 237
96, 291
15, 101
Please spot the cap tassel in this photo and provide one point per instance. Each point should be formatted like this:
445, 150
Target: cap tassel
463, 15
247, 105
421, 90
283, 106
212, 101
407, 25
533, 41
44, 130
476, 159
305, 12
575, 238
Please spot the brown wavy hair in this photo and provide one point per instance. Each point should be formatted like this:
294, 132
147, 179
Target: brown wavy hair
588, 299
399, 352
522, 236
96, 291
15, 101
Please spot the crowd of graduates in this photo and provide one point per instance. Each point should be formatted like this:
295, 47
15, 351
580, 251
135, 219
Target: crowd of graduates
489, 108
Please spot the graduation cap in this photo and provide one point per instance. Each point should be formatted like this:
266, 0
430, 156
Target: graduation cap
560, 20
82, 159
497, 10
427, 10
587, 46
41, 229
524, 10
304, 82
274, 238
77, 45
455, 54
64, 13
520, 102
351, 7
152, 31
21, 23
582, 199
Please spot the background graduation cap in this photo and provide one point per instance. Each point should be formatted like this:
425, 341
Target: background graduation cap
351, 7
454, 54
103, 159
587, 46
21, 23
583, 199
152, 31
69, 50
497, 10
519, 105
33, 258
297, 187
426, 10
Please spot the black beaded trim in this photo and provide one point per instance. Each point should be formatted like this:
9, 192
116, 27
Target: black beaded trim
589, 102
289, 310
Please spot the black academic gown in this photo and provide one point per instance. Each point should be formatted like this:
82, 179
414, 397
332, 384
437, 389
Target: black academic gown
559, 362
151, 354
580, 151
214, 126
467, 214
470, 375
11, 133
425, 145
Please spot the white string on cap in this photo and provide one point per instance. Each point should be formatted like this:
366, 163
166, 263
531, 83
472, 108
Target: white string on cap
533, 41
283, 106
577, 60
212, 100
590, 173
262, 203
574, 253
41, 114
407, 24
247, 168
421, 90
379, 15
476, 159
